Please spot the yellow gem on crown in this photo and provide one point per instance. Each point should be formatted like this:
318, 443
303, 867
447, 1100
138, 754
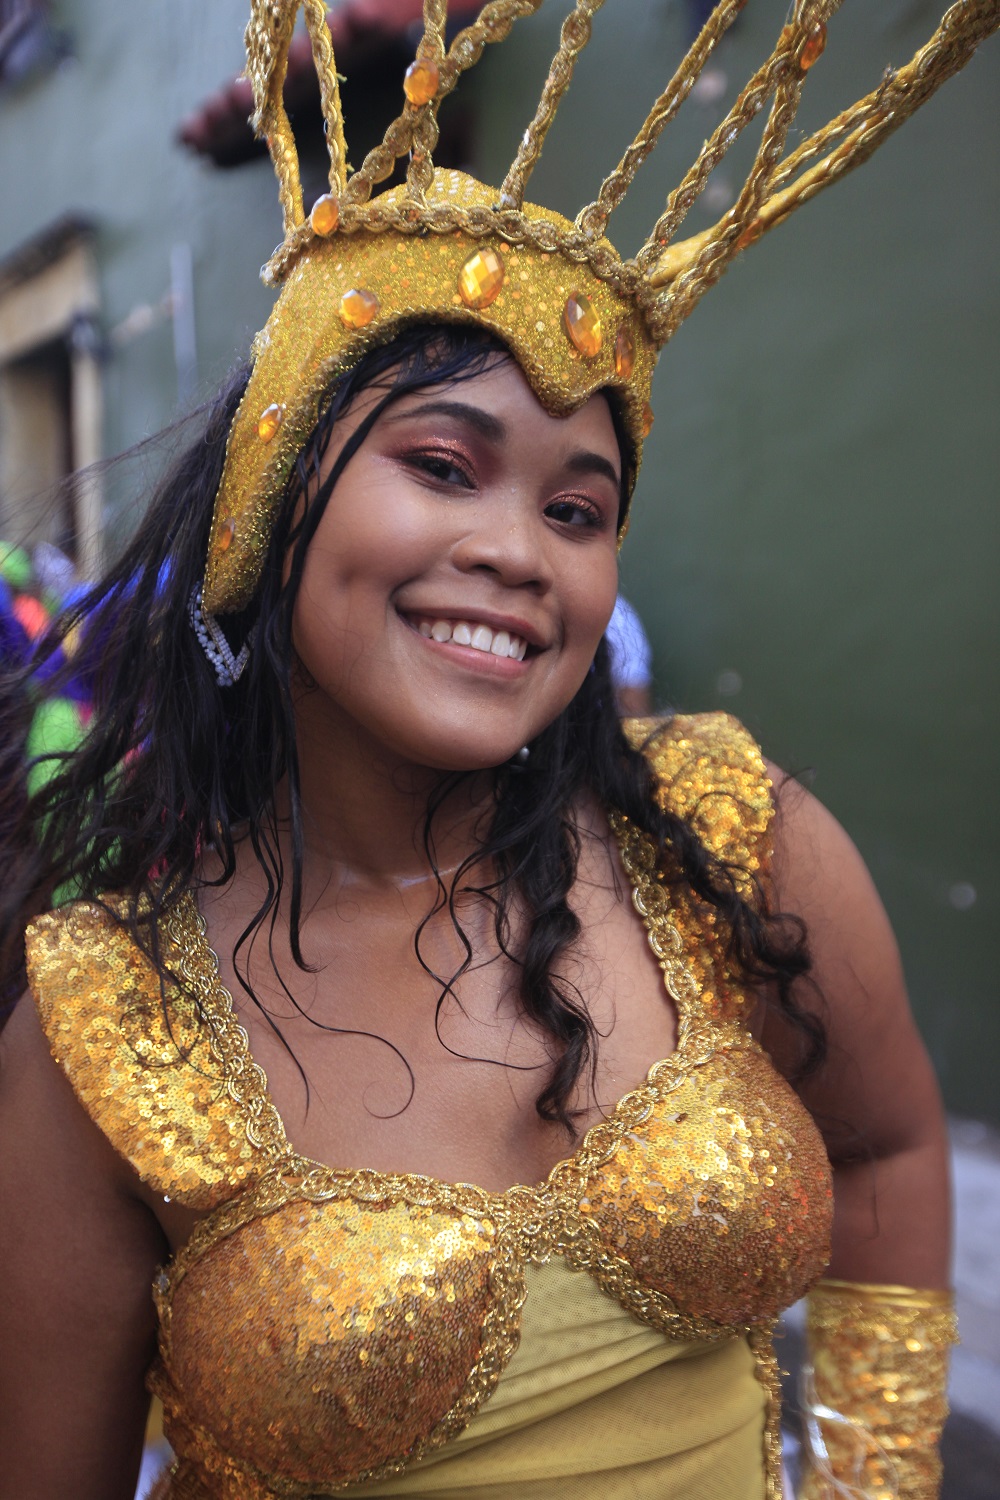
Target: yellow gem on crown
624, 353
358, 307
227, 531
420, 82
481, 279
325, 214
269, 421
583, 324
647, 420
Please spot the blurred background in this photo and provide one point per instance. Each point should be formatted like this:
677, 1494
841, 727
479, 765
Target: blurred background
815, 541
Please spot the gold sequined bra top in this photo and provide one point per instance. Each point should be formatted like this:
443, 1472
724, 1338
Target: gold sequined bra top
328, 1325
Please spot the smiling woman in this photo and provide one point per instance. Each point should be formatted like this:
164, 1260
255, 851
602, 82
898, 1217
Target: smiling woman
458, 583
426, 1090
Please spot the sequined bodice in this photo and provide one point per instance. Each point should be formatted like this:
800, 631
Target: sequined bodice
324, 1325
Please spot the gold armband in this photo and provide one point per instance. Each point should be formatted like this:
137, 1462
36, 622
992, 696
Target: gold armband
874, 1401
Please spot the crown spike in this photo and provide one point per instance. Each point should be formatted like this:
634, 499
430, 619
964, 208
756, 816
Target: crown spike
766, 80
863, 127
329, 88
729, 236
268, 35
425, 74
573, 37
594, 218
491, 25
679, 273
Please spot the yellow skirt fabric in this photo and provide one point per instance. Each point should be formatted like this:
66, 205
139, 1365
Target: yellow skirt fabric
596, 1406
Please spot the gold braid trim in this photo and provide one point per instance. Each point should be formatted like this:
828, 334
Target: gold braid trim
685, 270
393, 213
420, 172
574, 36
492, 25
877, 1404
593, 219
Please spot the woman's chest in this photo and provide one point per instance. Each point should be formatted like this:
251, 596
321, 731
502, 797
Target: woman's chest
429, 1058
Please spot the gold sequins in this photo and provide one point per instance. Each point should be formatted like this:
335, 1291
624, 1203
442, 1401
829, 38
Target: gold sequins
870, 1347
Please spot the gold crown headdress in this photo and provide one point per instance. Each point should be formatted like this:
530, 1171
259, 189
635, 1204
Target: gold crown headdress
577, 317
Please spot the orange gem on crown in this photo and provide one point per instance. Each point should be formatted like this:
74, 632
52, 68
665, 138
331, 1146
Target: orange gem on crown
813, 48
358, 307
624, 353
481, 279
583, 325
269, 421
325, 214
227, 532
420, 82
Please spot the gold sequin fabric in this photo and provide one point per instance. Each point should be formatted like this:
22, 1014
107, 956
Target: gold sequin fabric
306, 344
148, 1068
880, 1371
323, 1325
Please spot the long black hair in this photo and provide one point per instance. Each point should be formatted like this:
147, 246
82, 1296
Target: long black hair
172, 764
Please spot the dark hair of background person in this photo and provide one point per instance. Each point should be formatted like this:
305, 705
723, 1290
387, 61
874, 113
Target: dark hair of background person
171, 762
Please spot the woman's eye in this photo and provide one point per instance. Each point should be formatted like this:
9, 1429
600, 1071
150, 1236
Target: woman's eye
574, 513
441, 467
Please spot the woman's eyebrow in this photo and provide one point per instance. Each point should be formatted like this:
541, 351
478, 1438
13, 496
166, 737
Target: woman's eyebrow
584, 463
486, 425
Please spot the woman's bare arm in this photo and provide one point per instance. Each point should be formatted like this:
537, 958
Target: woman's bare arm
875, 1098
78, 1252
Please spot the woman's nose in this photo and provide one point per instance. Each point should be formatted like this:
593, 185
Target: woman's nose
510, 544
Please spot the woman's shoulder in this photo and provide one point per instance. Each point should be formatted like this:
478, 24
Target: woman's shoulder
139, 1045
85, 967
709, 772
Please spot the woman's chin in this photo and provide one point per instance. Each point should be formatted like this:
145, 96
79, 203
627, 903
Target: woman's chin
458, 751
469, 759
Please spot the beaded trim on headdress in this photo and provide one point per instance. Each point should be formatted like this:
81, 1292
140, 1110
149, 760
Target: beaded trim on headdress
444, 248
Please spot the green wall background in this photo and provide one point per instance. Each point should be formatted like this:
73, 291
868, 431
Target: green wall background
815, 538
817, 517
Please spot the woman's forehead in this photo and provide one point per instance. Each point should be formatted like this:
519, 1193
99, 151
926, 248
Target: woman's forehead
503, 395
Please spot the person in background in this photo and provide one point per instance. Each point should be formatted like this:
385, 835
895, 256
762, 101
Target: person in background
631, 661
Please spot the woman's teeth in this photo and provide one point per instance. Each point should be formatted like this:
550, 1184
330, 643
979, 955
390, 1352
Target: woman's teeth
479, 637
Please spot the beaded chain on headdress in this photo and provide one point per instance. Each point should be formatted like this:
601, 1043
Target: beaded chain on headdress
445, 248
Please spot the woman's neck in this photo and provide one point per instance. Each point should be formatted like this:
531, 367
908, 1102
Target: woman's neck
364, 808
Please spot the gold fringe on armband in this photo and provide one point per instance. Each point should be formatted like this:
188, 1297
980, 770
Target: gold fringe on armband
874, 1399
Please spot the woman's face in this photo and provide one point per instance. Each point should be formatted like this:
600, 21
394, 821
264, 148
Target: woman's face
463, 572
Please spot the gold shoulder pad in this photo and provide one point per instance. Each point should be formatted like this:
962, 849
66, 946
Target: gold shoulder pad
710, 772
144, 1064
